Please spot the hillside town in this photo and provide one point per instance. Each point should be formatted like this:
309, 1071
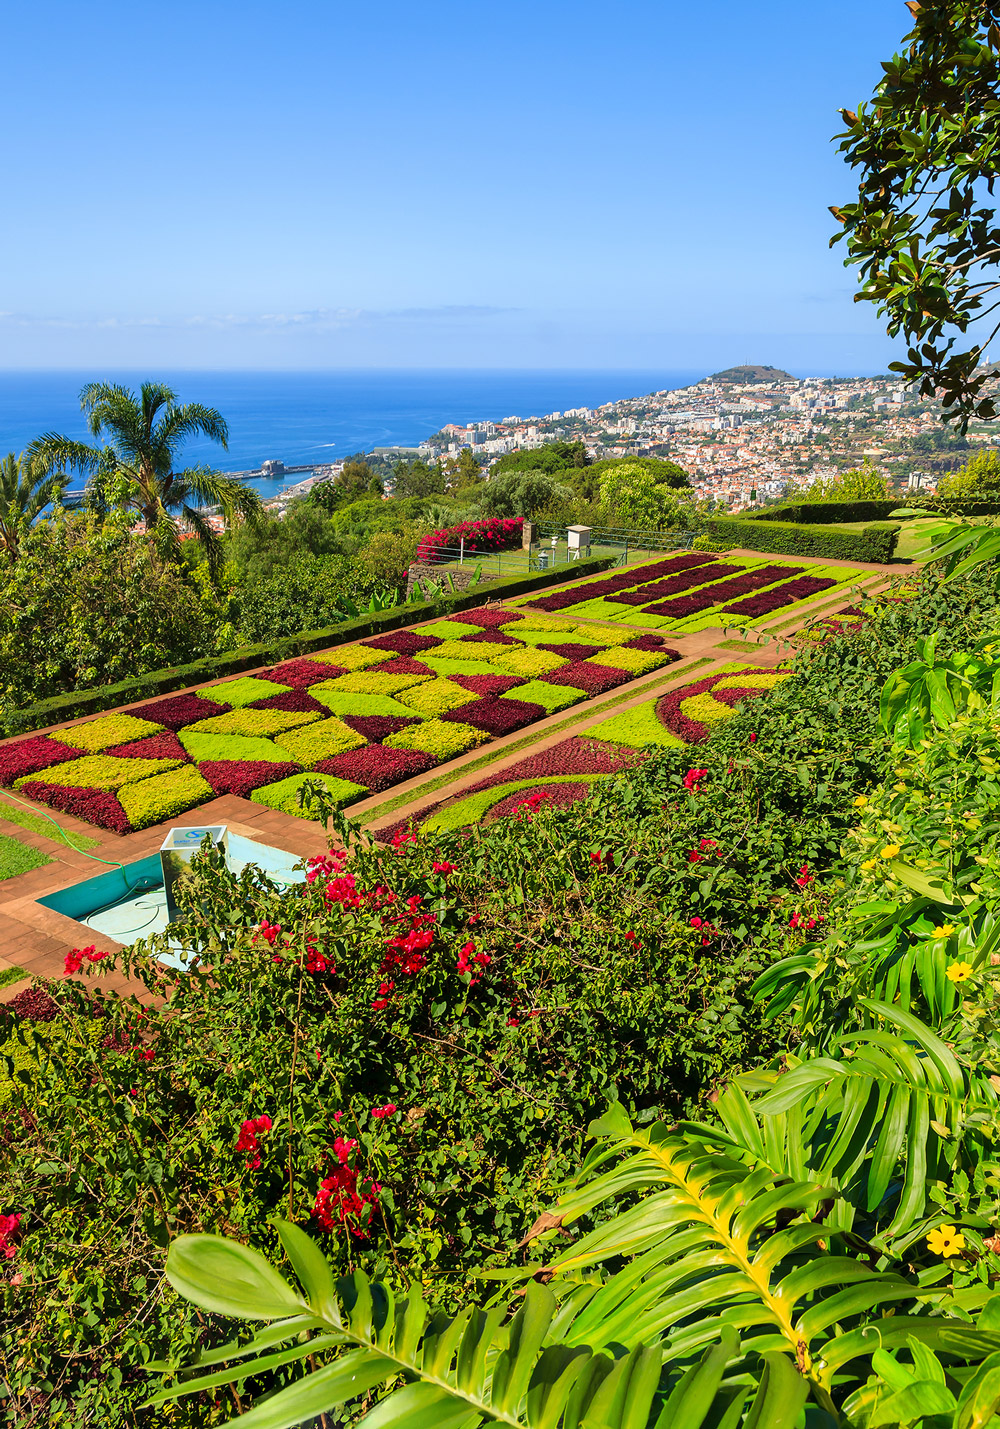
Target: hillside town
745, 440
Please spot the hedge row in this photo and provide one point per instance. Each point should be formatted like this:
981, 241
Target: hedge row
160, 682
872, 543
826, 513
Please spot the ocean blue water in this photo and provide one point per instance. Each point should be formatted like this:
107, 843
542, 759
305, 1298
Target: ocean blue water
300, 417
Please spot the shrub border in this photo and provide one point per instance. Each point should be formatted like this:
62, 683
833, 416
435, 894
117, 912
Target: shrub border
874, 544
61, 708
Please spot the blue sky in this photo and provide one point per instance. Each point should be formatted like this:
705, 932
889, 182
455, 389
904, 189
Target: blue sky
540, 184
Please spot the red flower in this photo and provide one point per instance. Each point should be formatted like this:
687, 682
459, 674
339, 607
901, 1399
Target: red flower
445, 867
693, 778
696, 923
269, 931
8, 1225
338, 1201
694, 856
381, 1112
251, 1129
753, 739
804, 878
75, 960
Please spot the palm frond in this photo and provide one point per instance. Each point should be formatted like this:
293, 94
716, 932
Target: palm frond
193, 420
56, 453
210, 542
214, 488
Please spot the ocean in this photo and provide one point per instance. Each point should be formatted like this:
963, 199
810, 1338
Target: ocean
306, 417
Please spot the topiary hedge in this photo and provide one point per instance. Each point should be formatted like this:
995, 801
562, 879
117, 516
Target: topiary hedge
875, 543
824, 513
250, 657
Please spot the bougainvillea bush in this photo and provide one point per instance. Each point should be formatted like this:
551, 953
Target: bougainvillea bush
495, 534
432, 693
402, 1055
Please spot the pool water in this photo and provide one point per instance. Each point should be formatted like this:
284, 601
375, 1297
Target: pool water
130, 902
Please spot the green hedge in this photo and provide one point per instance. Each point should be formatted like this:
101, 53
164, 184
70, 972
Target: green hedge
826, 513
951, 505
872, 543
251, 657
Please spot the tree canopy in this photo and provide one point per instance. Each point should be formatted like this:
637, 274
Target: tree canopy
925, 242
552, 457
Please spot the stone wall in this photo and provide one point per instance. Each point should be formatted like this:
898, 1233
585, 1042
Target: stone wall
463, 576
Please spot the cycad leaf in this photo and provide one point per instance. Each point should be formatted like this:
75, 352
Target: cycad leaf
230, 1279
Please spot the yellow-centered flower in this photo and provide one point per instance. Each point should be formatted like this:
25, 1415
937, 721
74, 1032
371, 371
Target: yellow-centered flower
946, 1240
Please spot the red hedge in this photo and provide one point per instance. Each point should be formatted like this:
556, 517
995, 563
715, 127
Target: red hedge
787, 594
496, 534
242, 776
560, 795
497, 717
154, 746
639, 575
403, 642
569, 651
487, 684
96, 806
487, 617
294, 701
179, 710
713, 595
399, 665
660, 590
651, 642
375, 728
301, 673
375, 767
489, 637
594, 679
28, 756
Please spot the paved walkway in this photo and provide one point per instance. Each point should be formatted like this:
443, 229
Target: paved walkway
37, 938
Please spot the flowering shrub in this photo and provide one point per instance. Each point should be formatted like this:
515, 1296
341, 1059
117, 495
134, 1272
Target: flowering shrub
163, 796
94, 805
495, 534
242, 776
97, 734
180, 710
100, 771
155, 746
28, 756
497, 717
585, 675
437, 738
375, 767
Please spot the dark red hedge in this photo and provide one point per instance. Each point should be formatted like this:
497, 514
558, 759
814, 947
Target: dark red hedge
179, 710
242, 776
651, 642
377, 768
487, 684
576, 755
491, 637
96, 806
294, 701
403, 642
611, 585
569, 651
660, 590
33, 1004
399, 665
154, 746
595, 679
497, 717
301, 673
375, 728
488, 617
782, 595
685, 605
28, 756
668, 706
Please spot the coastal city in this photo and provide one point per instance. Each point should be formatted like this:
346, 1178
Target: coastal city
745, 435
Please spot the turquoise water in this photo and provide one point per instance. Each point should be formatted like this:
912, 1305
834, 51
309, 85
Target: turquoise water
308, 417
129, 903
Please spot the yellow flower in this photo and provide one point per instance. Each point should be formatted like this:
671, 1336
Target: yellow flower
869, 864
890, 851
861, 801
945, 930
958, 972
946, 1240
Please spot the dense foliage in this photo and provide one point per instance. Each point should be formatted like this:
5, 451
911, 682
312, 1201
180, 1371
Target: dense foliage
491, 990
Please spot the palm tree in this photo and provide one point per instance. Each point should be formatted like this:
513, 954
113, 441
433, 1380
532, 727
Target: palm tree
27, 486
134, 470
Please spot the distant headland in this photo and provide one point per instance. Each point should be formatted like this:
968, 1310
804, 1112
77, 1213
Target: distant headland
750, 374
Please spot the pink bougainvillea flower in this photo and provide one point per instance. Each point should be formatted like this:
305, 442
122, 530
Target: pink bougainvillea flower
270, 932
75, 960
445, 867
250, 1132
8, 1226
381, 1112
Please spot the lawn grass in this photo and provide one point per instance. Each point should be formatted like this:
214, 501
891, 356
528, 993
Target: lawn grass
16, 857
38, 824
